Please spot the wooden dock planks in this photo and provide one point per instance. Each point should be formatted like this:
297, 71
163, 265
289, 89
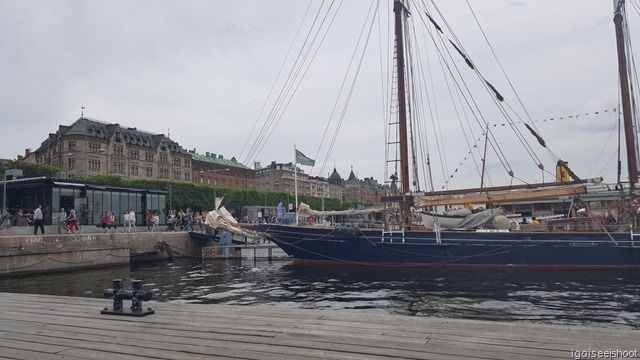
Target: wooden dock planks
54, 327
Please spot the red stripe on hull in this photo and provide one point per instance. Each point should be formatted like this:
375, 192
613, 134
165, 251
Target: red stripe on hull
466, 266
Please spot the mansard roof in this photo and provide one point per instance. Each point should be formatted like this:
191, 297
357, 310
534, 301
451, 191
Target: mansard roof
218, 160
92, 128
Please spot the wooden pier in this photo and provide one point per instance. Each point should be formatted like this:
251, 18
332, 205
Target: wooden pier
54, 327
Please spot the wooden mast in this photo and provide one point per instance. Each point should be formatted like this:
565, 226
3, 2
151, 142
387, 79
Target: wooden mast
625, 97
398, 7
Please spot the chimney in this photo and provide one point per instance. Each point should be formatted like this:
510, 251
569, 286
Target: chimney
256, 165
27, 152
206, 154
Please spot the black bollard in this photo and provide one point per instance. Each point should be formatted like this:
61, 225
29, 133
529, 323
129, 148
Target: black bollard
117, 300
137, 295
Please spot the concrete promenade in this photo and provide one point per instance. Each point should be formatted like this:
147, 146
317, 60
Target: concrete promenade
53, 327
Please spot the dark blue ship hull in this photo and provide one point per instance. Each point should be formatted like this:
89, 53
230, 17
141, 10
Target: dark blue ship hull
479, 249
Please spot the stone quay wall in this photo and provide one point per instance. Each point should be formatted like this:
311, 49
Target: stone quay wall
21, 254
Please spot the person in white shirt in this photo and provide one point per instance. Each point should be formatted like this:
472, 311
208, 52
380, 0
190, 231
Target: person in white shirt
62, 217
127, 224
132, 221
37, 221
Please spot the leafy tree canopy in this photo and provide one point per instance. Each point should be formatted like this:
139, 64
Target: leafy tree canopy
29, 169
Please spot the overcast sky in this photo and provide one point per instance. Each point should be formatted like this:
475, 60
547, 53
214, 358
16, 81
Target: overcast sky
204, 70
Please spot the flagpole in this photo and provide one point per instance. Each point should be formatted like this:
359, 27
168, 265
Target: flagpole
295, 180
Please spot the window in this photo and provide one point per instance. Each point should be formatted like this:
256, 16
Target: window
176, 161
149, 172
118, 168
148, 157
94, 165
187, 163
93, 147
164, 173
118, 137
134, 170
72, 146
201, 180
134, 154
164, 159
187, 176
117, 150
177, 175
72, 164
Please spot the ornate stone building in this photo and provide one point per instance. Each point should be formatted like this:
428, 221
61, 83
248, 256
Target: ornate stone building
214, 170
367, 190
90, 147
280, 177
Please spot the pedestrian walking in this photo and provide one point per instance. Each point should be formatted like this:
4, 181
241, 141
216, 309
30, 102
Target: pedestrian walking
104, 220
72, 220
132, 220
149, 220
127, 223
112, 222
156, 221
62, 225
5, 222
38, 221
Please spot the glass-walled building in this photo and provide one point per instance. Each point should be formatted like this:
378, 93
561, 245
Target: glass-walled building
89, 200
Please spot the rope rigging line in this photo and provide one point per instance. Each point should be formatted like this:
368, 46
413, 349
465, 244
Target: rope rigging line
293, 81
373, 11
517, 132
279, 110
461, 95
532, 128
444, 66
273, 86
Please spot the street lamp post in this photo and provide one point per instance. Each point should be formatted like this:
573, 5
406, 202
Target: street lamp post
9, 172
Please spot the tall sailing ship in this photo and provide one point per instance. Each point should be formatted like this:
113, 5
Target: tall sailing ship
415, 233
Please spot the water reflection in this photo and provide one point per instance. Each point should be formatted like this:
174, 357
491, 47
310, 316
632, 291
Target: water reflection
602, 298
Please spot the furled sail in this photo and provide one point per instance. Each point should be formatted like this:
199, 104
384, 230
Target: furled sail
305, 210
485, 196
470, 221
221, 219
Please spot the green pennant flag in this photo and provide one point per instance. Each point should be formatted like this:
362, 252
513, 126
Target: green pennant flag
304, 160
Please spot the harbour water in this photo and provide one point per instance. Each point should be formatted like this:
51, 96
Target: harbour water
595, 298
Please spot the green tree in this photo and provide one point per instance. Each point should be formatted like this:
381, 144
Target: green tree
29, 169
201, 197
